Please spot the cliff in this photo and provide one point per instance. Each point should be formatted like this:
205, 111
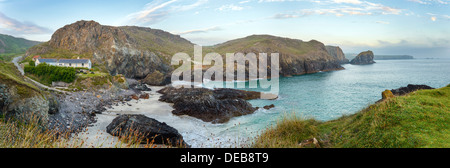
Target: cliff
337, 53
132, 51
296, 56
363, 58
20, 99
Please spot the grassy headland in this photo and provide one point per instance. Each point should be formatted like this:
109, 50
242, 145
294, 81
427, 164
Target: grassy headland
418, 120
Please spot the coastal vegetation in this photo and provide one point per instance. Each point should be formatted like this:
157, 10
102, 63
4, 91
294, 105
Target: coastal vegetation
417, 120
48, 74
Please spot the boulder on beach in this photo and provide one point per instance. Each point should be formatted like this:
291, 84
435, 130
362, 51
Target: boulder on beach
148, 129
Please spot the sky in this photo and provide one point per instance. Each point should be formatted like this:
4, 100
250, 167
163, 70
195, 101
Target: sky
416, 27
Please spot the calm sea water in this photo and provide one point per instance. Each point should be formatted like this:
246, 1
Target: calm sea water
323, 96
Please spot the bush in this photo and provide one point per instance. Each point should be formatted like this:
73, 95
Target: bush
32, 63
52, 73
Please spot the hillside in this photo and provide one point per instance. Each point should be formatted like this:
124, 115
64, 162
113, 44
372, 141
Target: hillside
417, 120
132, 51
11, 46
296, 56
19, 98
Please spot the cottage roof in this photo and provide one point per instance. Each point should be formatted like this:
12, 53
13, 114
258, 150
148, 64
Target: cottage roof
74, 61
48, 60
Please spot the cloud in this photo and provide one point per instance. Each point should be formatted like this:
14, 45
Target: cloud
356, 8
215, 28
433, 18
243, 2
430, 2
158, 10
348, 1
15, 27
284, 16
382, 22
419, 1
230, 7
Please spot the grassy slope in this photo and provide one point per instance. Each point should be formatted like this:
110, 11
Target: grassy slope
264, 43
418, 120
11, 46
10, 75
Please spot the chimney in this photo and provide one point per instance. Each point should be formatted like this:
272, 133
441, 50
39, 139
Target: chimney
78, 57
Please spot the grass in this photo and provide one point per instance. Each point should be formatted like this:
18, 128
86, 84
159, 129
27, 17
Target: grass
10, 75
418, 120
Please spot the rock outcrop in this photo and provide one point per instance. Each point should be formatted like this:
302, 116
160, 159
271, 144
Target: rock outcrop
216, 106
408, 89
148, 129
363, 58
387, 94
337, 53
132, 51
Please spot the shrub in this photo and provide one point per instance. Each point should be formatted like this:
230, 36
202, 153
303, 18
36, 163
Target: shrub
52, 73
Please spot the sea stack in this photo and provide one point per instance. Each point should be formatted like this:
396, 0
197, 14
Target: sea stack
363, 58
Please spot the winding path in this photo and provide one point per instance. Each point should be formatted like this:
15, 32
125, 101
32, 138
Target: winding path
16, 63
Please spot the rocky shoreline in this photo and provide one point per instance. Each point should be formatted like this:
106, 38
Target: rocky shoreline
75, 111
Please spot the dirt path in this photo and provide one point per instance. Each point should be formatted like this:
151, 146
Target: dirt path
16, 63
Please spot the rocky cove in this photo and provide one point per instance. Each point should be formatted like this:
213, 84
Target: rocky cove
186, 128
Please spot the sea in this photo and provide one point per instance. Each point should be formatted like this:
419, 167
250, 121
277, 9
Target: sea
322, 96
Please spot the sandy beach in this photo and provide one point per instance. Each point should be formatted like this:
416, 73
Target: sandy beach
195, 132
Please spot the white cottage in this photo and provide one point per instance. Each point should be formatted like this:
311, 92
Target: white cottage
53, 62
75, 63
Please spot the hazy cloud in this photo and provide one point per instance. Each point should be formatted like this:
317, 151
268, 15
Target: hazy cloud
158, 10
429, 2
230, 7
15, 27
356, 8
382, 22
215, 28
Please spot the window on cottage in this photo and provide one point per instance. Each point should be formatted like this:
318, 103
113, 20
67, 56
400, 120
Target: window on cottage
82, 64
70, 64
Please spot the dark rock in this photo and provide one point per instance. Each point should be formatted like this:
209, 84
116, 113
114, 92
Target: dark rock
269, 107
363, 58
147, 128
157, 78
140, 87
216, 106
408, 89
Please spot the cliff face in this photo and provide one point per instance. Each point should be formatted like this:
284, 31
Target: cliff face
132, 51
296, 56
363, 58
337, 53
19, 99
